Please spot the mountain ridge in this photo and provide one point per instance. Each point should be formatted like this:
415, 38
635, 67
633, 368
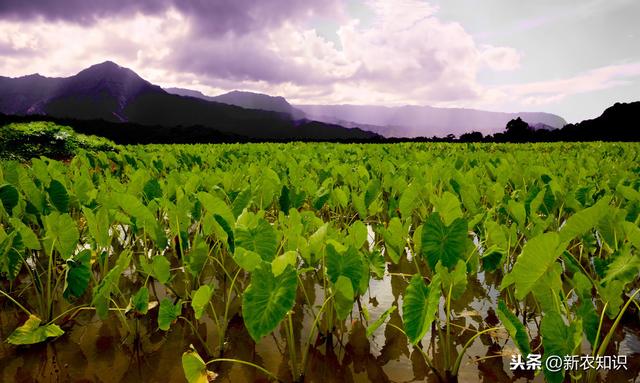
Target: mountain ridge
112, 93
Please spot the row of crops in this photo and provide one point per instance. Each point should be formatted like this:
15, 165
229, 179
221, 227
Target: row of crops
458, 256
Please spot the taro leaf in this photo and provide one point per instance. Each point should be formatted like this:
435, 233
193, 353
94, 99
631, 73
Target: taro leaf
372, 192
357, 234
284, 201
98, 224
514, 327
492, 258
195, 370
197, 256
376, 263
11, 248
201, 299
343, 290
168, 313
357, 200
58, 196
227, 229
9, 196
584, 220
140, 301
443, 243
448, 207
537, 257
380, 321
152, 190
78, 275
586, 311
31, 332
281, 262
62, 231
144, 218
455, 280
261, 239
243, 199
267, 300
632, 232
29, 238
161, 269
611, 293
216, 206
317, 240
247, 259
409, 200
558, 339
548, 288
518, 212
102, 292
394, 239
420, 307
348, 264
625, 266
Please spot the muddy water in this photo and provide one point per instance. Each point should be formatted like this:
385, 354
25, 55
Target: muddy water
92, 350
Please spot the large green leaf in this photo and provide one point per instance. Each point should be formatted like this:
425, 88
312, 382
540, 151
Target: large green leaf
514, 327
558, 339
348, 264
586, 311
168, 313
394, 239
139, 302
455, 280
443, 243
584, 220
9, 196
280, 263
448, 207
420, 307
261, 239
344, 294
217, 206
247, 259
78, 275
58, 196
201, 299
267, 300
242, 200
98, 223
31, 332
61, 230
537, 257
11, 254
29, 238
161, 269
195, 369
409, 200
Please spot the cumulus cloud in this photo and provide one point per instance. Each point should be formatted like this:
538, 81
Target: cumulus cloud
404, 53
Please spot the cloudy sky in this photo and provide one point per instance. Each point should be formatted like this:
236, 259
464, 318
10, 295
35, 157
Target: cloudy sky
570, 57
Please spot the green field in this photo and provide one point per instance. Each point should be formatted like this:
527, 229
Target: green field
320, 262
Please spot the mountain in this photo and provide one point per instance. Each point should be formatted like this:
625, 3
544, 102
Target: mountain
247, 100
617, 123
423, 121
112, 93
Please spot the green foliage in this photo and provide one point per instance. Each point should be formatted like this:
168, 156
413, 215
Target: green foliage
441, 243
23, 141
267, 300
420, 307
31, 332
